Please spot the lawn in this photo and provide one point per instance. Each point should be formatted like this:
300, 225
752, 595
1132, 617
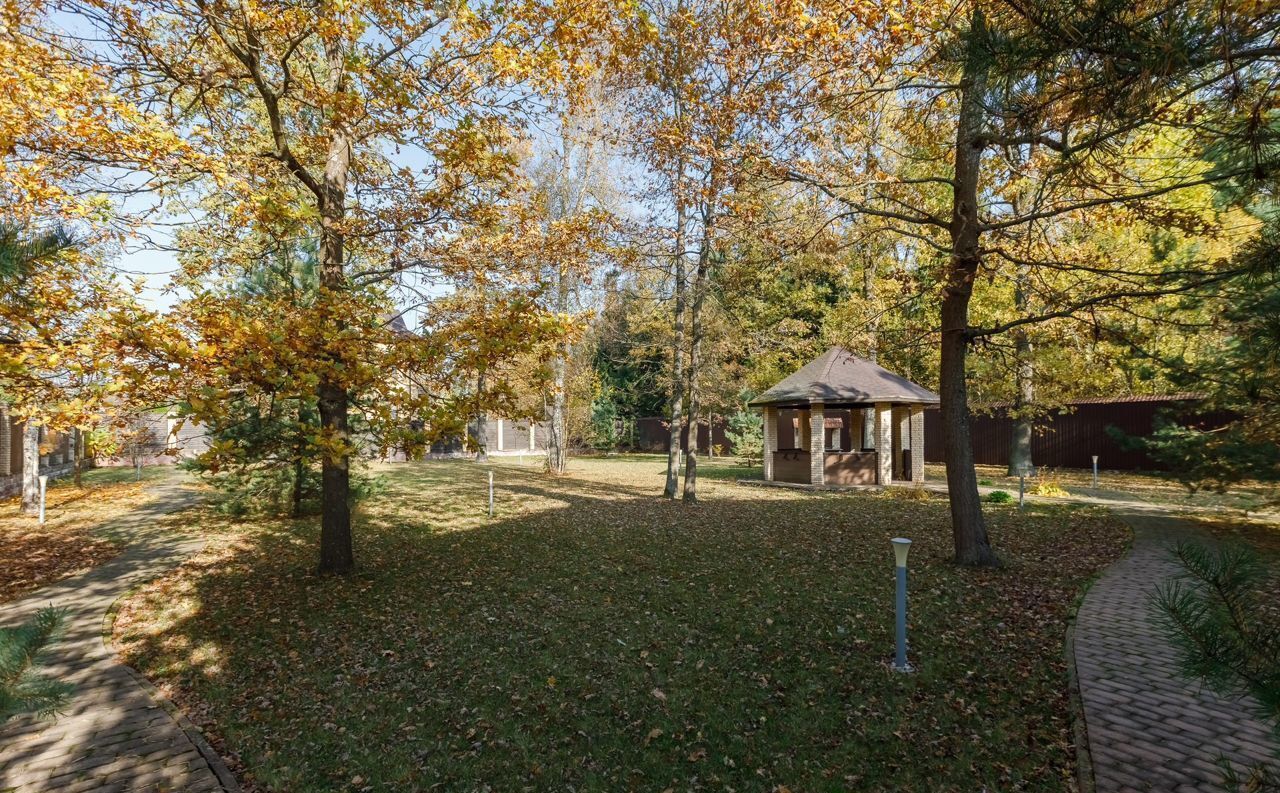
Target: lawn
593, 637
1154, 486
68, 543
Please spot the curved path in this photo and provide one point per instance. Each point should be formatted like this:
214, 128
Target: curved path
117, 734
1148, 727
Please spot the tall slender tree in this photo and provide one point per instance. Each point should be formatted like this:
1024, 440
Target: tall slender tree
293, 106
1072, 87
700, 81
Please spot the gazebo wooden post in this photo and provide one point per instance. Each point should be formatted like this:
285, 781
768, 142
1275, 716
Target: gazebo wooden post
884, 443
770, 440
817, 443
917, 444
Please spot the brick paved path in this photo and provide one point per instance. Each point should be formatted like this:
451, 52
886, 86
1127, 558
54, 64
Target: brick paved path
1148, 727
115, 736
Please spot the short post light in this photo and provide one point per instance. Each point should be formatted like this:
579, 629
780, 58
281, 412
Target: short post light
491, 494
1022, 487
901, 547
1095, 472
44, 484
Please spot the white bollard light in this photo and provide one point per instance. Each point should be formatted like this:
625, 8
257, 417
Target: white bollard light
901, 547
491, 494
44, 484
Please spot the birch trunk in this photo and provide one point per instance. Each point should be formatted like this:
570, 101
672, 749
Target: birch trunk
31, 468
557, 453
873, 328
77, 452
677, 364
482, 422
695, 360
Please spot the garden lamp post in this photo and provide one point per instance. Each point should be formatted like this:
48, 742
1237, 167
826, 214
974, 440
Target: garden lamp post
1022, 486
1095, 471
901, 547
491, 494
44, 484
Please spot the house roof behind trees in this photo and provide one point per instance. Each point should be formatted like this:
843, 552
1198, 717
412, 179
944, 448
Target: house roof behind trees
838, 376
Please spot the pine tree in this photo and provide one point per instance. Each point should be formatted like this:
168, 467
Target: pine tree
746, 433
1215, 614
21, 689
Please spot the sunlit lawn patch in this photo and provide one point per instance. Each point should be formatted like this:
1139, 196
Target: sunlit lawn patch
592, 636
33, 556
1154, 486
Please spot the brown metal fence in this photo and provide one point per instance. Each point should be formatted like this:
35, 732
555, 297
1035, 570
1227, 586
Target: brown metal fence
652, 434
1068, 438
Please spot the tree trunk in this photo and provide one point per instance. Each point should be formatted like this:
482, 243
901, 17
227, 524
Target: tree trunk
482, 422
967, 524
557, 453
1024, 373
31, 468
873, 328
77, 446
299, 462
336, 554
677, 365
695, 360
299, 472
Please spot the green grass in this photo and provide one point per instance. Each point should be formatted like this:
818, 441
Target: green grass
117, 475
1153, 486
595, 637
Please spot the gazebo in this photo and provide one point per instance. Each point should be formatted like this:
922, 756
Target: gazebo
842, 420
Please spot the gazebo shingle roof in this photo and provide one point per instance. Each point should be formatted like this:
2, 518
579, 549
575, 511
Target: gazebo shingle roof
840, 376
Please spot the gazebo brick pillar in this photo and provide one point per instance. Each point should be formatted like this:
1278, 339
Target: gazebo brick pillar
884, 443
917, 444
770, 441
902, 418
817, 444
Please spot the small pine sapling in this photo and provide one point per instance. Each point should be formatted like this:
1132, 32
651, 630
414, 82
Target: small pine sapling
22, 690
1215, 616
746, 433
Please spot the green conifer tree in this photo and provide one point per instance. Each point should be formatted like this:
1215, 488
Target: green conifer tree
22, 690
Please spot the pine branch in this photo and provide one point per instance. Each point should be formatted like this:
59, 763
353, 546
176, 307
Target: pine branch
22, 691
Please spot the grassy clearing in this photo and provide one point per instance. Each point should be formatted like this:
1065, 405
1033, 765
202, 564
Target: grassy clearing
68, 543
1264, 537
594, 637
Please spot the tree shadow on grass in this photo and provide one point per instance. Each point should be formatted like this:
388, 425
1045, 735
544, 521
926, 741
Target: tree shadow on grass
594, 635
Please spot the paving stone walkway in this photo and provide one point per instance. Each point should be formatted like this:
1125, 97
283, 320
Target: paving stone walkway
117, 735
1148, 727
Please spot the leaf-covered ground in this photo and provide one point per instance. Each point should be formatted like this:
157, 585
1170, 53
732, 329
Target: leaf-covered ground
67, 544
594, 637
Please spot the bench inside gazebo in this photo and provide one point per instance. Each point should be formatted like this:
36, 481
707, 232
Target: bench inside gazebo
842, 420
